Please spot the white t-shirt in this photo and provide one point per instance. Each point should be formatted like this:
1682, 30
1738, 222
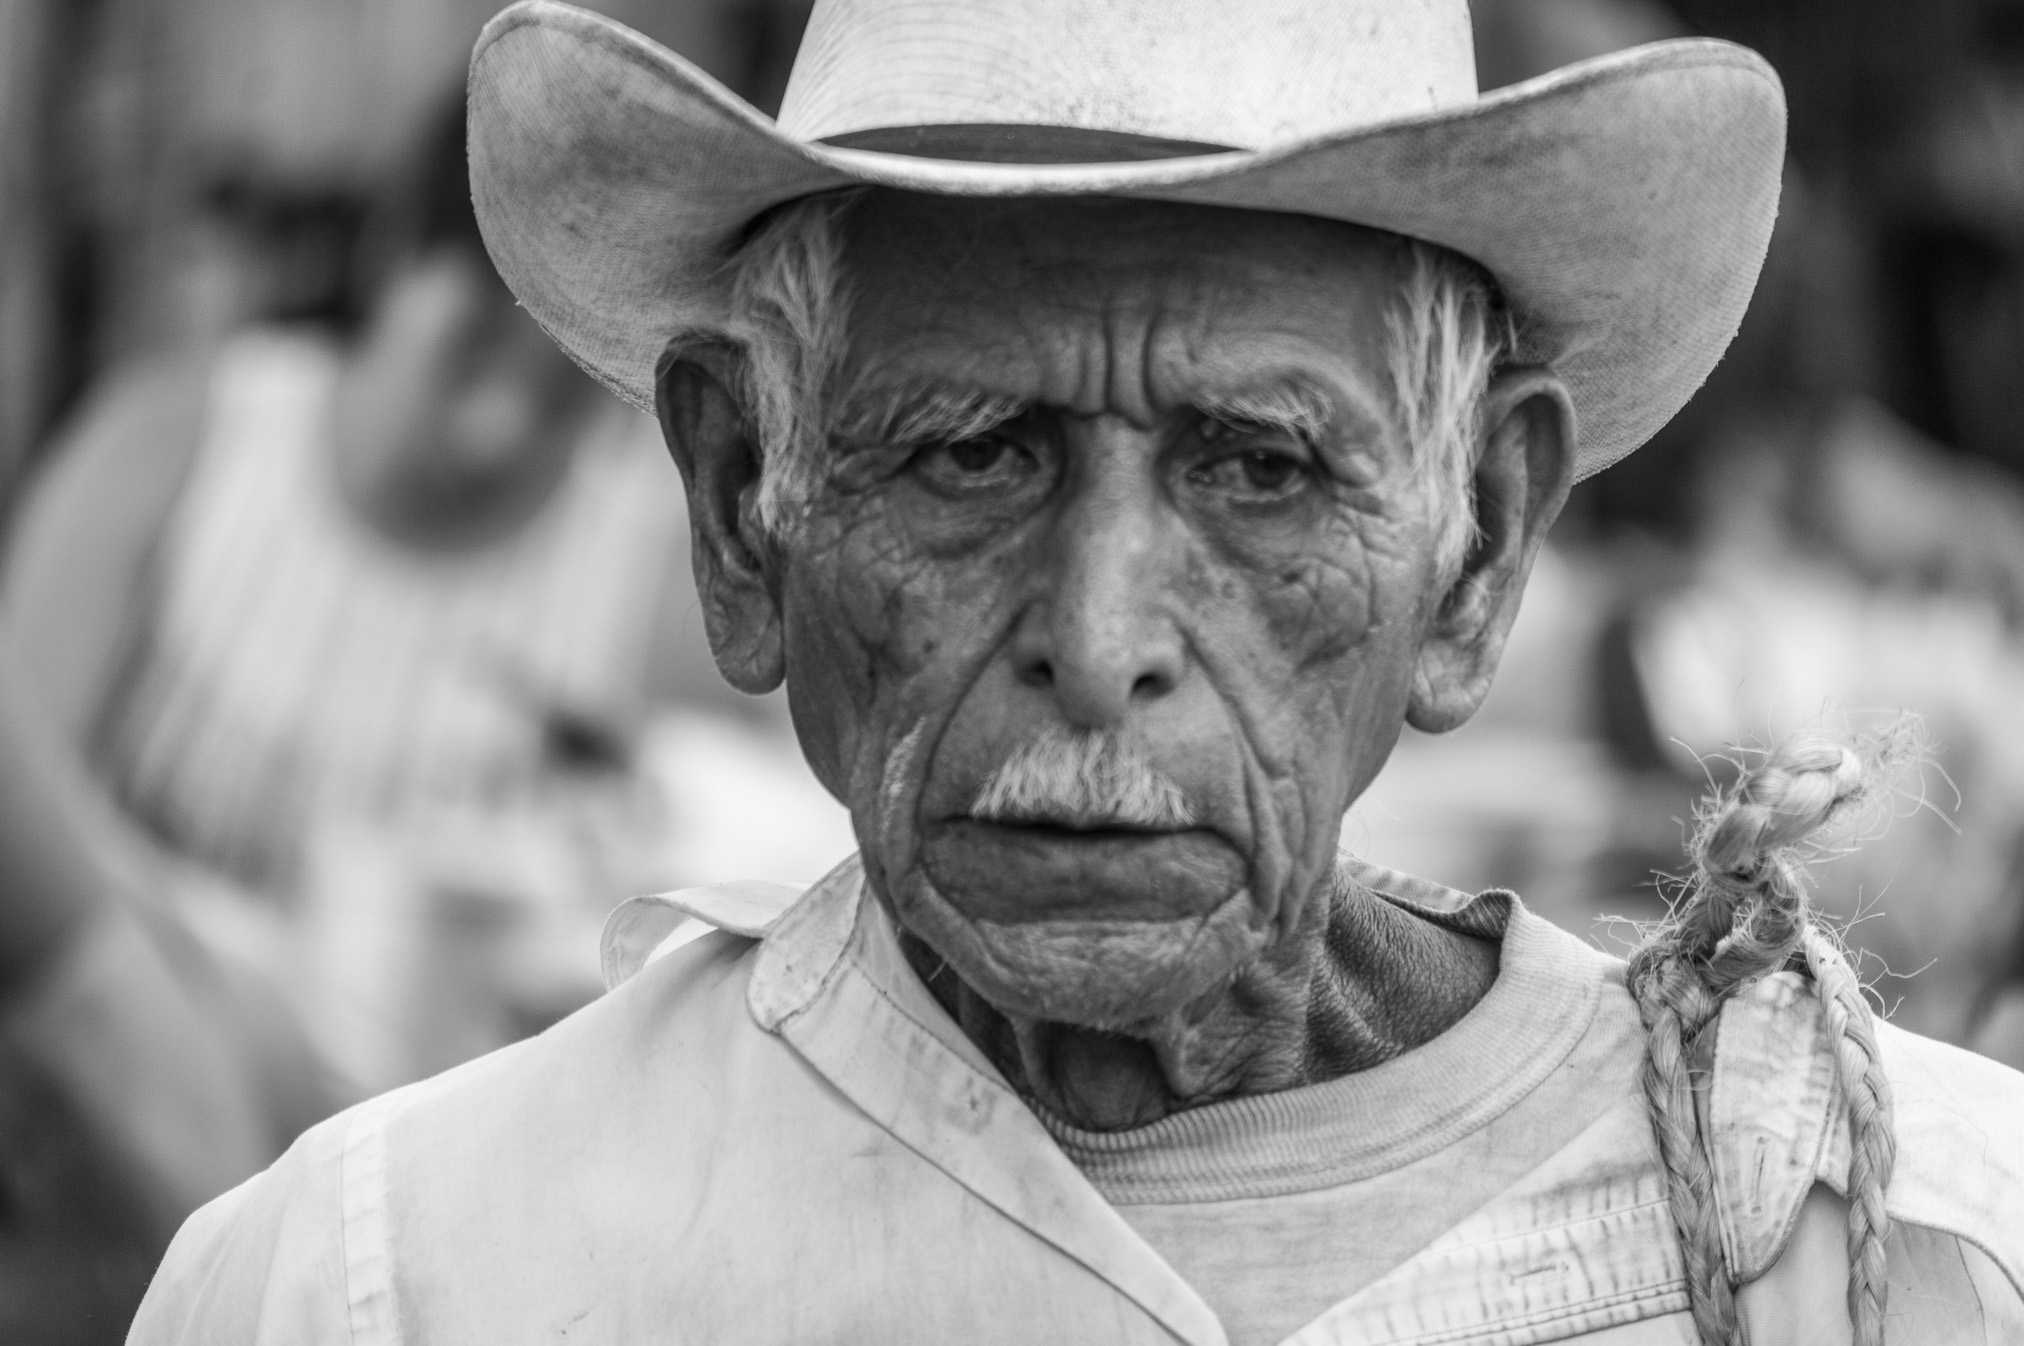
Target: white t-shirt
1276, 1206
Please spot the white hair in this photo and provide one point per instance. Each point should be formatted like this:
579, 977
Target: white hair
788, 307
1447, 335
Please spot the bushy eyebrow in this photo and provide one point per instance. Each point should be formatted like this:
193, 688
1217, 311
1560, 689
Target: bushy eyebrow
1293, 406
924, 413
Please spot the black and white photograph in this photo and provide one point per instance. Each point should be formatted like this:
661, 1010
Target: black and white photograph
1012, 672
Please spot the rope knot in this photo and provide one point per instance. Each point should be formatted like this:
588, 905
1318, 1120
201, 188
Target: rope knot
1743, 914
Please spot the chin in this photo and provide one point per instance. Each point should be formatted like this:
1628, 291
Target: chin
1095, 973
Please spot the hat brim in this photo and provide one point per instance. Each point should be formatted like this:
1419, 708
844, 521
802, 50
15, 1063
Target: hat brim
1623, 204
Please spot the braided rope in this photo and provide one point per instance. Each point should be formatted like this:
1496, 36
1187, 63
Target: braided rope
1873, 1147
1662, 984
1744, 915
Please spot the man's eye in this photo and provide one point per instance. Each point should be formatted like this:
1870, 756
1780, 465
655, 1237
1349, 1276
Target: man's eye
1253, 472
983, 463
976, 456
1268, 471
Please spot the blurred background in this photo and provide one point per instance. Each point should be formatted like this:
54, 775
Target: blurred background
349, 668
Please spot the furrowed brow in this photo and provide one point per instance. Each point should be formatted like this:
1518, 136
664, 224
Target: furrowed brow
1293, 406
925, 414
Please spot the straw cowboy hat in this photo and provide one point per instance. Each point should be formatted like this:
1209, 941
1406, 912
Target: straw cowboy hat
1623, 204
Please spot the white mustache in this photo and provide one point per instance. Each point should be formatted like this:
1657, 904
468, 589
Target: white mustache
1082, 779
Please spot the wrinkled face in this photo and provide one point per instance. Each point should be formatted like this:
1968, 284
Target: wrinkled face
1117, 488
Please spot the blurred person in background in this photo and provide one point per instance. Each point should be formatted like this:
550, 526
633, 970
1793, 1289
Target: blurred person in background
1841, 563
1834, 525
182, 992
141, 1073
368, 639
1849, 526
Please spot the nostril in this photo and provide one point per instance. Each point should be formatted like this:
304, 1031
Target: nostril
1151, 687
1036, 673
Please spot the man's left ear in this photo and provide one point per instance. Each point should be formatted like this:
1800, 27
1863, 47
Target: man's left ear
1524, 469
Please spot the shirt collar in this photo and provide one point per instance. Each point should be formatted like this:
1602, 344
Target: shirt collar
831, 980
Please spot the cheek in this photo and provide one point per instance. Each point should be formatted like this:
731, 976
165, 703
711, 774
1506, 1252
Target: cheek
1313, 649
881, 644
1318, 623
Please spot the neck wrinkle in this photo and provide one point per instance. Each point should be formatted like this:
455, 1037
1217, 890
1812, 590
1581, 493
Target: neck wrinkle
1368, 981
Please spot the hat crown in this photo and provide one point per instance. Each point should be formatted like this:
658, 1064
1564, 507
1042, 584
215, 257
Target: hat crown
1248, 74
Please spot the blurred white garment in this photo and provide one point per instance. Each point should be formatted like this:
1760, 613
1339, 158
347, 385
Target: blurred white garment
463, 927
297, 664
742, 805
1766, 642
1759, 647
412, 784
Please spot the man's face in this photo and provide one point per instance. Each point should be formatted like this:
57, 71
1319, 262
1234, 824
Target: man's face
1119, 479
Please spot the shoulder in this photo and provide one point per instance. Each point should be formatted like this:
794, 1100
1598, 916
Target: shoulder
1779, 1126
130, 442
1960, 1145
682, 1012
627, 1070
1947, 1091
306, 1251
1956, 1201
264, 1262
667, 1048
89, 519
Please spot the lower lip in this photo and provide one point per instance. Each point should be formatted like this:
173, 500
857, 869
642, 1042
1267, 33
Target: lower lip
1011, 874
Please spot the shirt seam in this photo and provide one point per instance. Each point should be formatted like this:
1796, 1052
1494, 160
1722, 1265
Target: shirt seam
370, 1312
767, 974
1500, 1237
998, 1083
848, 967
818, 992
1575, 1318
1941, 1226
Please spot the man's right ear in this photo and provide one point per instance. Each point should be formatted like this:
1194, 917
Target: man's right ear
711, 440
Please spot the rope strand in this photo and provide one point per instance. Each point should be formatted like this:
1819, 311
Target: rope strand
1744, 915
1873, 1141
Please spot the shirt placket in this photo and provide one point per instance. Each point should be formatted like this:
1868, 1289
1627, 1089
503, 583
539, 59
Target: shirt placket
879, 1046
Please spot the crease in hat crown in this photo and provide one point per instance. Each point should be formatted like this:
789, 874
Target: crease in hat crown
1248, 75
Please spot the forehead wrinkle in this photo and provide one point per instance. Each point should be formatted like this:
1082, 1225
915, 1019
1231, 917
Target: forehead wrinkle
1103, 351
1093, 332
1274, 379
1166, 322
1175, 322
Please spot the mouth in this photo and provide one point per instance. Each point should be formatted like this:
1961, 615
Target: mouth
1012, 872
1070, 829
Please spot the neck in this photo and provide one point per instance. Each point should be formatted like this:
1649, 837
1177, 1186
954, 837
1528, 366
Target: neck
1362, 982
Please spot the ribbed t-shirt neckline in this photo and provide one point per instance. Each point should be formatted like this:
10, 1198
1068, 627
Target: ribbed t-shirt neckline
1371, 1121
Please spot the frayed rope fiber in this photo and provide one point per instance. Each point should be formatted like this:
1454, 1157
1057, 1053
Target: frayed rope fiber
1744, 914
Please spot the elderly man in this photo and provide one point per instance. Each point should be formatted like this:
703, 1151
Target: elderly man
1112, 422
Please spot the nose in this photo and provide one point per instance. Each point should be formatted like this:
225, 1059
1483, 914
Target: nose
1103, 640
